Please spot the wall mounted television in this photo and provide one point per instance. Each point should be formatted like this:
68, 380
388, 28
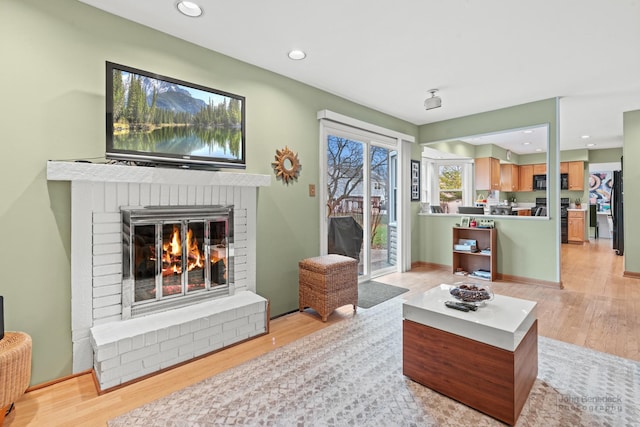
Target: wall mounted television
165, 121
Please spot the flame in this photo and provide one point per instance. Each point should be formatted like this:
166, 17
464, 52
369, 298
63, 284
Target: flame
172, 253
195, 257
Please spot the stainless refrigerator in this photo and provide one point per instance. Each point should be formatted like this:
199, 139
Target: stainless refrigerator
617, 202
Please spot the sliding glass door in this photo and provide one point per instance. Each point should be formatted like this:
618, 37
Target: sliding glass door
361, 205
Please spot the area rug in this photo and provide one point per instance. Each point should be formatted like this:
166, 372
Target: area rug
372, 293
350, 374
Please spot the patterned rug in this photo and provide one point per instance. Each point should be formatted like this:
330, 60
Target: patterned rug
350, 374
372, 293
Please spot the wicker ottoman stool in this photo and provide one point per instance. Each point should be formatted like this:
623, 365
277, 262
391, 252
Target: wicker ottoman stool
15, 368
328, 282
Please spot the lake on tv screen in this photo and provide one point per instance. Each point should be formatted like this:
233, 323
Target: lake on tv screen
184, 141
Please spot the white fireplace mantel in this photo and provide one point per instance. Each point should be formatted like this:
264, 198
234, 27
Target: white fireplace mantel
97, 172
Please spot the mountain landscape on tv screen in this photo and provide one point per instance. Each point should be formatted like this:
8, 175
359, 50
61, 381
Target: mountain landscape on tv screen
170, 96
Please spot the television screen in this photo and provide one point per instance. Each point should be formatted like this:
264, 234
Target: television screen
158, 119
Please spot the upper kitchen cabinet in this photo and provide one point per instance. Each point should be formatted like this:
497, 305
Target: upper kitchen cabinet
576, 176
487, 173
509, 177
564, 167
540, 169
526, 178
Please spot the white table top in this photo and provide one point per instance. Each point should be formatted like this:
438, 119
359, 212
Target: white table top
501, 322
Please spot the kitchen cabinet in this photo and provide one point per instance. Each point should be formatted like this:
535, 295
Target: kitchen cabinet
564, 167
540, 169
487, 173
576, 176
485, 259
575, 226
509, 177
526, 178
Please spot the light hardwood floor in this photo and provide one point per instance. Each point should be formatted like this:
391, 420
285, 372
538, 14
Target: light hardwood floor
598, 309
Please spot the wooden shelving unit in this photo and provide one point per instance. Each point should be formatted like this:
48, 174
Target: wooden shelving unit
484, 259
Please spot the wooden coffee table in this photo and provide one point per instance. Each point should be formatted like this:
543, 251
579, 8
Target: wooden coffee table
486, 359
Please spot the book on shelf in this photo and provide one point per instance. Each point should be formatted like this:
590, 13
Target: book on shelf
482, 273
468, 245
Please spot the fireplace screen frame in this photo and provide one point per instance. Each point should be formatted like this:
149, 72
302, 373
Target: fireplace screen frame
160, 216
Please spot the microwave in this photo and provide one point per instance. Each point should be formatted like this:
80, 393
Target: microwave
540, 182
564, 181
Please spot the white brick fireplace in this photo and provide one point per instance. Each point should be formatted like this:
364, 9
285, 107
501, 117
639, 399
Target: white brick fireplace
121, 350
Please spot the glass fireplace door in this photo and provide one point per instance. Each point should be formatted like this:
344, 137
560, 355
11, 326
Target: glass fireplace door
143, 261
183, 258
174, 256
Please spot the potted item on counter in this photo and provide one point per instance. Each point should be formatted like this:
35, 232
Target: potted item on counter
578, 203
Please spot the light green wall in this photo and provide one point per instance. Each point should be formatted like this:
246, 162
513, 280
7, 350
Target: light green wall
460, 148
527, 247
416, 151
581, 155
609, 155
53, 107
631, 177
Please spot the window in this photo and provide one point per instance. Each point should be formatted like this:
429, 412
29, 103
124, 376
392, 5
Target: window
449, 184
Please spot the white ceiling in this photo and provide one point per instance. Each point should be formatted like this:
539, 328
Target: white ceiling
482, 55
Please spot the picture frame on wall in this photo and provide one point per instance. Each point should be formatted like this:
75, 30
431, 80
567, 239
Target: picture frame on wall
415, 180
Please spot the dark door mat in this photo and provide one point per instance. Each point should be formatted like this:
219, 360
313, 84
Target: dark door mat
373, 293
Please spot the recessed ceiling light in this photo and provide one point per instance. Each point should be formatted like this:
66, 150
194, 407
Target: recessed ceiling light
526, 143
189, 8
297, 55
585, 137
591, 144
527, 131
538, 149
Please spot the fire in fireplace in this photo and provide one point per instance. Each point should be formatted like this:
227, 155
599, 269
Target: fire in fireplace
175, 256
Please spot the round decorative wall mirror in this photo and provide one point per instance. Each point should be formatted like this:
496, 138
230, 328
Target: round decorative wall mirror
287, 165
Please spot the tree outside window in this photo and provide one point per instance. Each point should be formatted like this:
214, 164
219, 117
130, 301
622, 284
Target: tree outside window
345, 179
450, 186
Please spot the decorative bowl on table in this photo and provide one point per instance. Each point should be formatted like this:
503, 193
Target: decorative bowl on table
472, 293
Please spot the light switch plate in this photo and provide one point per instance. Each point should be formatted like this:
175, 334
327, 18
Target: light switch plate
312, 190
